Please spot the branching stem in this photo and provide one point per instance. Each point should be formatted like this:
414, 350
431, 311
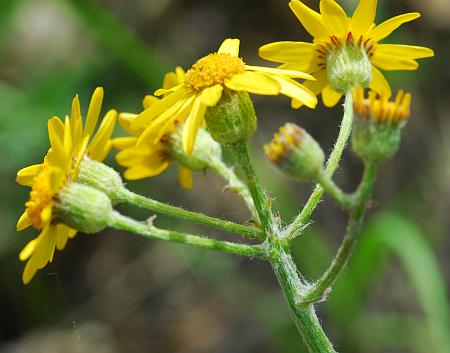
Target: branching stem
333, 161
121, 222
160, 207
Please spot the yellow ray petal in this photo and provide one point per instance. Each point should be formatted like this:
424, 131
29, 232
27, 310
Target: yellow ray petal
29, 272
121, 143
193, 122
157, 108
45, 247
288, 52
67, 141
76, 121
164, 91
310, 19
334, 18
211, 95
389, 62
141, 172
254, 83
170, 80
288, 73
149, 100
297, 91
379, 83
26, 175
95, 106
180, 116
28, 250
185, 177
314, 86
230, 46
387, 27
363, 17
330, 97
152, 129
96, 148
63, 234
23, 222
55, 130
404, 51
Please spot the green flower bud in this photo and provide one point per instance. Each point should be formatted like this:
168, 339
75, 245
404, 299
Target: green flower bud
378, 124
101, 177
233, 119
83, 208
348, 65
295, 152
205, 151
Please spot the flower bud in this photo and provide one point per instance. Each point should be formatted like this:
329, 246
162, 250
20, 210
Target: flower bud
377, 125
233, 119
205, 151
348, 66
83, 208
295, 152
101, 177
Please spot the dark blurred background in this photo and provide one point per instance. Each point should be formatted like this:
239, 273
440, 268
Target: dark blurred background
115, 292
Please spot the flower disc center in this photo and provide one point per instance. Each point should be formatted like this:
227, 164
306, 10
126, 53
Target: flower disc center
41, 196
213, 69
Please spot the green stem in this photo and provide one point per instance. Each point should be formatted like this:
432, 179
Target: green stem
121, 222
236, 185
333, 161
160, 207
335, 191
260, 199
304, 316
320, 289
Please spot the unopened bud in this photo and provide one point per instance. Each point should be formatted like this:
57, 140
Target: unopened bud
295, 152
101, 177
378, 123
233, 119
83, 208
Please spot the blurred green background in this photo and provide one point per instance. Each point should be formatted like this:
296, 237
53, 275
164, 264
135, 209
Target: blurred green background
115, 292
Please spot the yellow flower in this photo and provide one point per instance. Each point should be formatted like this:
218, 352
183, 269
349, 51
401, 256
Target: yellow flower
203, 86
381, 109
70, 143
151, 157
331, 28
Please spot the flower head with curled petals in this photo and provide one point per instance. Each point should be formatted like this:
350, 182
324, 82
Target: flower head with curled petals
332, 29
70, 143
151, 157
380, 109
203, 86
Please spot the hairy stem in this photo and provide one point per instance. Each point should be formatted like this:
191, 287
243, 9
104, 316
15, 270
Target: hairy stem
121, 222
333, 161
236, 185
335, 191
304, 316
321, 287
160, 207
260, 199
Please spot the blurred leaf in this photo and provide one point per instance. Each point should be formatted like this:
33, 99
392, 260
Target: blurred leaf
120, 40
402, 238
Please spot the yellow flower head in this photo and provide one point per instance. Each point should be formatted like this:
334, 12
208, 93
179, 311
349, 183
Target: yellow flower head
332, 28
380, 108
151, 157
203, 85
70, 143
